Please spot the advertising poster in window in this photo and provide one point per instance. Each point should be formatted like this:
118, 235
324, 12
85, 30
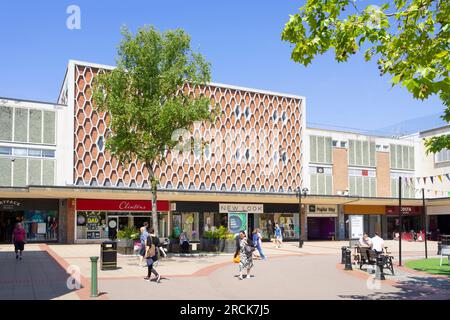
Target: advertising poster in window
237, 222
93, 225
356, 227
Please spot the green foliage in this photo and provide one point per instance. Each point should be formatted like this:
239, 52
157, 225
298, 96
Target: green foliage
128, 233
145, 98
220, 233
409, 39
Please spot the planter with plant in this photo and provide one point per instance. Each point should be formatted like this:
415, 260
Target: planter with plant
126, 239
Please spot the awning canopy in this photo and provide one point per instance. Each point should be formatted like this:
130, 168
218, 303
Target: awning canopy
73, 192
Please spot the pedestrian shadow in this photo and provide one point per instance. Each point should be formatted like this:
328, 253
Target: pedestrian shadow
413, 288
38, 276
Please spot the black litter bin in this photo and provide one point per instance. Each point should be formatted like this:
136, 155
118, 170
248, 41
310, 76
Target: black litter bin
108, 255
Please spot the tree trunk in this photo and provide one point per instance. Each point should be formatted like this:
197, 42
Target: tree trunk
154, 189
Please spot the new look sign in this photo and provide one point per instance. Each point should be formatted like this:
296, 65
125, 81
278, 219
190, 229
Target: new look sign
241, 207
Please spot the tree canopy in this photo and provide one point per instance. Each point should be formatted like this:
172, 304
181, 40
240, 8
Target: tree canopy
408, 38
144, 96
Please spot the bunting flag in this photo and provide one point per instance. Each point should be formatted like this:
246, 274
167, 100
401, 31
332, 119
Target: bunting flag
448, 176
440, 178
424, 180
418, 180
406, 180
431, 178
411, 179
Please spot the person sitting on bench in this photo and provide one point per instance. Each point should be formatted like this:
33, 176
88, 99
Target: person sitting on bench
184, 242
364, 241
377, 243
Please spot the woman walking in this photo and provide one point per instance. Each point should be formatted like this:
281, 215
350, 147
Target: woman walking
142, 238
278, 236
152, 248
245, 250
257, 242
19, 239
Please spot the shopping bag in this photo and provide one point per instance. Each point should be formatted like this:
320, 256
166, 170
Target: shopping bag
237, 259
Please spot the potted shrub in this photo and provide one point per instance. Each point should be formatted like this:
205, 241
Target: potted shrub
126, 239
226, 240
210, 241
174, 242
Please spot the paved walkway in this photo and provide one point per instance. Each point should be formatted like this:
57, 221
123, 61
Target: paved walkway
311, 272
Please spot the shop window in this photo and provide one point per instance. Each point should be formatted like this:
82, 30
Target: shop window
41, 225
91, 225
190, 225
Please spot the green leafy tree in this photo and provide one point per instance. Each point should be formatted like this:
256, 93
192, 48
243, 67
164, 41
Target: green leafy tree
144, 96
408, 38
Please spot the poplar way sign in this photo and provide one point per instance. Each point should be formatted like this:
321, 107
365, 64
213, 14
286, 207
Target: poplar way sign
241, 207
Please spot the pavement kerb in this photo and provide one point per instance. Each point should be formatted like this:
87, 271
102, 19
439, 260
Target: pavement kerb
363, 275
84, 292
422, 273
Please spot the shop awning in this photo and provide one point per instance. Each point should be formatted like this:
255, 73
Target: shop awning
73, 192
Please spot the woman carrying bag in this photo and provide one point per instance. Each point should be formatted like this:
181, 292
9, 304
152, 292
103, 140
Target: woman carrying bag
245, 249
151, 254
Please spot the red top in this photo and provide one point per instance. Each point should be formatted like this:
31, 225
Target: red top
19, 235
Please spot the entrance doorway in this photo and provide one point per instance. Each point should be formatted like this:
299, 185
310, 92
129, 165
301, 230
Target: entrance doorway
8, 221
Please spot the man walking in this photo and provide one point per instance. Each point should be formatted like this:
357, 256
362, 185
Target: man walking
143, 237
19, 239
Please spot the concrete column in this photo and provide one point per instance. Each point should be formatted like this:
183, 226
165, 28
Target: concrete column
341, 223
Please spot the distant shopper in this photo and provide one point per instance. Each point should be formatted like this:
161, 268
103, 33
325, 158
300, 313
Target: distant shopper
143, 238
152, 248
244, 248
278, 236
184, 242
257, 242
19, 240
377, 243
364, 241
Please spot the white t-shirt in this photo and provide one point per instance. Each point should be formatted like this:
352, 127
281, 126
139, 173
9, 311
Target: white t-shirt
377, 243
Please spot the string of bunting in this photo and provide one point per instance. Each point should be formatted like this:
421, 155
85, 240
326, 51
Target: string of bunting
440, 177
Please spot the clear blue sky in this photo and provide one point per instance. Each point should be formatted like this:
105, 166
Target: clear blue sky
240, 38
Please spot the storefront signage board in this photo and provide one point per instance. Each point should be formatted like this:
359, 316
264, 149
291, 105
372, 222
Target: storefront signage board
120, 205
28, 204
406, 211
241, 207
356, 226
322, 211
237, 221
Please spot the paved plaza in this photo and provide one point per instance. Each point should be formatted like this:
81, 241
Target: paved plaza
312, 272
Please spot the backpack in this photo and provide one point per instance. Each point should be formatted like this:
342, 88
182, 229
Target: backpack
250, 247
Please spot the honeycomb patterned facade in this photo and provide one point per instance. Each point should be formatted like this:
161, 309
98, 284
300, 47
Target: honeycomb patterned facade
254, 145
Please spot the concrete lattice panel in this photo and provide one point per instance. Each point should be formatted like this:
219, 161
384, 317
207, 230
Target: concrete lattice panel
254, 144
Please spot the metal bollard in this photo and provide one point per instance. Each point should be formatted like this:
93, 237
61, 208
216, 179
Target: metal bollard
343, 250
94, 286
379, 274
439, 245
348, 260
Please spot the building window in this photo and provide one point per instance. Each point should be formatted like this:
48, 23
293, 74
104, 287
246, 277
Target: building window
335, 143
275, 116
442, 156
361, 153
321, 149
343, 144
5, 151
100, 144
402, 157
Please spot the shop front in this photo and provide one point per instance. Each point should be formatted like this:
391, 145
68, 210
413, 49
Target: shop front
360, 219
412, 219
322, 222
103, 219
286, 215
439, 220
39, 217
242, 216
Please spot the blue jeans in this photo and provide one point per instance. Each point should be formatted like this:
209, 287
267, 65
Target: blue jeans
258, 246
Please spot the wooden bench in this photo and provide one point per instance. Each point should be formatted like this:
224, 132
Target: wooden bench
366, 256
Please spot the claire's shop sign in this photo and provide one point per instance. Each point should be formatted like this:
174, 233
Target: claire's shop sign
406, 211
120, 205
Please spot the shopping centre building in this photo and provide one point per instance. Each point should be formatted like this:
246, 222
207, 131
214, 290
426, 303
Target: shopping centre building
58, 179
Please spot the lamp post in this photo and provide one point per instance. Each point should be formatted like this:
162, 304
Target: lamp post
301, 193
